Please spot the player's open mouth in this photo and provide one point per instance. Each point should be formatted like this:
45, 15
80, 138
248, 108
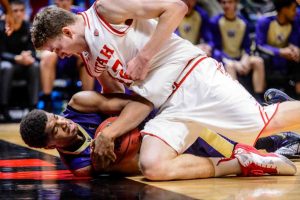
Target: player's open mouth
73, 128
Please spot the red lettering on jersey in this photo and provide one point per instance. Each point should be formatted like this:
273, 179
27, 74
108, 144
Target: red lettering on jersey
123, 75
116, 65
101, 61
100, 65
107, 52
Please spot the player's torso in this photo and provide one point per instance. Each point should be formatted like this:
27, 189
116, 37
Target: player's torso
232, 32
189, 28
111, 47
278, 35
87, 125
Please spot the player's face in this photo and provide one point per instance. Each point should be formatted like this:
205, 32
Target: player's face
18, 12
291, 11
61, 131
64, 4
190, 4
63, 46
229, 6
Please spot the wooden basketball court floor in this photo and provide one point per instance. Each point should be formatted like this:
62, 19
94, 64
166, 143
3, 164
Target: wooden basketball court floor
30, 174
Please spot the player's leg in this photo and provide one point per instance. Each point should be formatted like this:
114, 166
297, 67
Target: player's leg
230, 66
163, 163
158, 161
7, 71
48, 73
87, 81
286, 143
258, 76
287, 118
33, 84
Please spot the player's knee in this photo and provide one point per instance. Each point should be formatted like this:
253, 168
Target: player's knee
152, 169
5, 65
257, 62
230, 67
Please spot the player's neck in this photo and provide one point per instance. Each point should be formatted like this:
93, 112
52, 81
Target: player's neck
230, 16
282, 20
79, 26
75, 143
18, 25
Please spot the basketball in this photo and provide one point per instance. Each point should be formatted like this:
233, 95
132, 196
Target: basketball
127, 145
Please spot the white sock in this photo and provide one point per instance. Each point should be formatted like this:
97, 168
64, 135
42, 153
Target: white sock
226, 166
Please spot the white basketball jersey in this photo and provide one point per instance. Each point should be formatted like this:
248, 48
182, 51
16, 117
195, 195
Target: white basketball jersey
111, 47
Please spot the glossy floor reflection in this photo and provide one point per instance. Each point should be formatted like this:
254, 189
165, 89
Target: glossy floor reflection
29, 174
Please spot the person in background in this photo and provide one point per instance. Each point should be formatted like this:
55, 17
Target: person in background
231, 45
53, 67
195, 27
277, 39
18, 57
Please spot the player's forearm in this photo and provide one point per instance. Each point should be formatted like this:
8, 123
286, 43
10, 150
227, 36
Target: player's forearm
83, 172
167, 23
110, 85
130, 117
6, 6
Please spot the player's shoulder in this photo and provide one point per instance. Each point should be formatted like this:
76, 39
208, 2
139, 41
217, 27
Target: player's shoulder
266, 20
241, 17
200, 10
216, 18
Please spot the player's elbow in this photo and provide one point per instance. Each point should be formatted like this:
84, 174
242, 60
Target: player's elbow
79, 98
84, 172
180, 6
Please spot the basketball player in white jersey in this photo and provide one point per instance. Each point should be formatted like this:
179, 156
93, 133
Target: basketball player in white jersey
120, 42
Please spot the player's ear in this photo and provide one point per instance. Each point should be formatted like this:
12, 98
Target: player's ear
67, 32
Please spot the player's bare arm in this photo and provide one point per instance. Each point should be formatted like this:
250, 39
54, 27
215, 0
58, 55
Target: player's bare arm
169, 14
133, 110
9, 21
109, 85
84, 172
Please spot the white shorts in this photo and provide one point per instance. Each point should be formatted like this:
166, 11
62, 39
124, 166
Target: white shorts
206, 97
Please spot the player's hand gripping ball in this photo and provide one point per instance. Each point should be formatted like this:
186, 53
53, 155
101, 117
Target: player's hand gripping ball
127, 145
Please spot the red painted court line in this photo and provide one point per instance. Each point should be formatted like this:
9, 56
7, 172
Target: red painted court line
40, 175
25, 163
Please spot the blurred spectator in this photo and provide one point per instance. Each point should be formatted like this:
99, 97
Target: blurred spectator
252, 10
53, 67
277, 38
18, 58
231, 45
211, 6
195, 27
28, 10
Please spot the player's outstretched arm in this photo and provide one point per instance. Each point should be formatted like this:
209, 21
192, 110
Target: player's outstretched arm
109, 85
9, 21
132, 110
169, 14
83, 172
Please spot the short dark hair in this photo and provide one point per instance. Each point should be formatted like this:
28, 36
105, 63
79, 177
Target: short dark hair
17, 2
279, 4
32, 129
48, 24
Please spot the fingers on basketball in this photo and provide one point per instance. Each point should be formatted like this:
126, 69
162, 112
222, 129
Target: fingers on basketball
127, 145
